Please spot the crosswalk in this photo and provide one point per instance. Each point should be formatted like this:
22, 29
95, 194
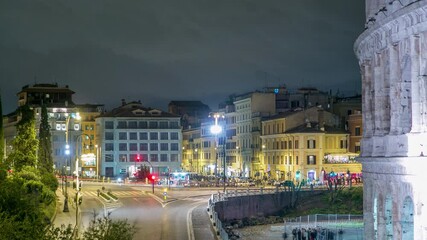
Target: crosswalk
119, 194
111, 206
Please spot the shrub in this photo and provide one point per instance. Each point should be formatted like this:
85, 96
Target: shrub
105, 196
112, 195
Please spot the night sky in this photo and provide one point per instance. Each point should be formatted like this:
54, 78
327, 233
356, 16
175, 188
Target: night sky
158, 51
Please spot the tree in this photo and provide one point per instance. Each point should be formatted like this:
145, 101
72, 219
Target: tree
1, 134
45, 160
24, 146
107, 229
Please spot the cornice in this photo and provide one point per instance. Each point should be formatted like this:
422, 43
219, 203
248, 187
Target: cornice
410, 20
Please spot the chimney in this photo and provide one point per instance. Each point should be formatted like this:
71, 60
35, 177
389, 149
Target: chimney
123, 102
321, 119
307, 123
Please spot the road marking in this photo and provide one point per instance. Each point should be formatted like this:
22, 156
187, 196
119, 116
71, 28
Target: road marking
190, 229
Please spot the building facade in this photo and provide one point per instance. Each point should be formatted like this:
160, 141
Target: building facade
392, 53
65, 126
305, 145
132, 135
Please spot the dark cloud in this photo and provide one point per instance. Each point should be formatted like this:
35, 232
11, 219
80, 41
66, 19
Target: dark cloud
158, 51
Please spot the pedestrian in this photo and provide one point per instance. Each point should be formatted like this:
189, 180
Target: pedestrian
299, 234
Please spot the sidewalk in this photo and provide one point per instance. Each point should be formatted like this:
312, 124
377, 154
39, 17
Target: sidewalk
61, 217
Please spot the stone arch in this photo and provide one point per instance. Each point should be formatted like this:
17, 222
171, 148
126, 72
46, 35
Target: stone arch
388, 217
407, 219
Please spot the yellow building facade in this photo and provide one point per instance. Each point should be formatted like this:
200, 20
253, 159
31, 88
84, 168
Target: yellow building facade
292, 151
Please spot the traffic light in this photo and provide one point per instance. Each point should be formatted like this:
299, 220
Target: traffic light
138, 158
153, 177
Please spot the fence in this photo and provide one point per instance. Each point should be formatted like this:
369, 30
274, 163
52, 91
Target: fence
339, 226
327, 226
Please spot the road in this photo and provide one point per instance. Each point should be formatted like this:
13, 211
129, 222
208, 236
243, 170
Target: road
154, 217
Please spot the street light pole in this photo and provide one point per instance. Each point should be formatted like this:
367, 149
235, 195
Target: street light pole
216, 129
77, 176
67, 153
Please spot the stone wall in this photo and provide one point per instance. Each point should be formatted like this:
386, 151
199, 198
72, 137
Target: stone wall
257, 205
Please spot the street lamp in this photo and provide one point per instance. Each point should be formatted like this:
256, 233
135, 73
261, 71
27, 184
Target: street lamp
98, 170
217, 129
239, 161
77, 176
197, 161
67, 152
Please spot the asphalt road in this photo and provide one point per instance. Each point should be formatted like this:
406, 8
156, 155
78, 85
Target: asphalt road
154, 216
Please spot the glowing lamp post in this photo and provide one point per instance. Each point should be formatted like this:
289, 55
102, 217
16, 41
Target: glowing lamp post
67, 152
216, 129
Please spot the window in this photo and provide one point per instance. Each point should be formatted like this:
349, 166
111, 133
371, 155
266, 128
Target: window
154, 136
154, 158
143, 136
290, 144
109, 147
123, 136
311, 160
357, 131
142, 125
296, 160
109, 158
133, 158
356, 149
133, 147
153, 125
123, 147
123, 157
206, 144
343, 143
144, 157
164, 125
121, 125
109, 136
207, 155
174, 136
132, 124
174, 124
164, 146
143, 147
133, 136
296, 145
163, 157
174, 146
109, 171
109, 125
174, 157
311, 143
164, 136
154, 147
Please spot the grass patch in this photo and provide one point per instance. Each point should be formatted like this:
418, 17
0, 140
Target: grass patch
105, 196
342, 201
110, 194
